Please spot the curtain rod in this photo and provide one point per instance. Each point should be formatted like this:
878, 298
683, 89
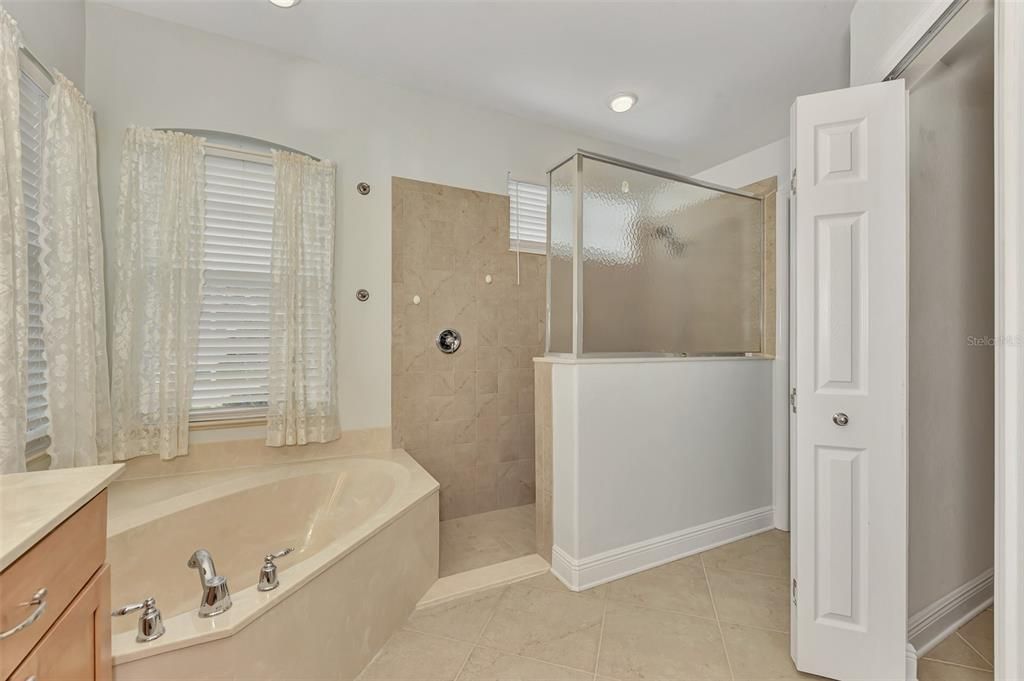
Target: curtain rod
38, 64
227, 136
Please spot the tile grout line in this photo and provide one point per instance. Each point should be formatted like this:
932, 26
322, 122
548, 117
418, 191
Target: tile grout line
956, 664
718, 622
600, 636
484, 646
479, 636
971, 646
477, 644
533, 659
748, 572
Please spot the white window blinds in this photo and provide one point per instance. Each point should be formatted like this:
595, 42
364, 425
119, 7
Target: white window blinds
33, 113
528, 217
234, 324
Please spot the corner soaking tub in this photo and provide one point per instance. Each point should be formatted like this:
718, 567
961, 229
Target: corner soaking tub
365, 533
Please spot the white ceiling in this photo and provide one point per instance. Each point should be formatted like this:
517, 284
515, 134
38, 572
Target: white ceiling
715, 78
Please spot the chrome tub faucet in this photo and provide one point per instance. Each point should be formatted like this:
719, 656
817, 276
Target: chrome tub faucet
216, 595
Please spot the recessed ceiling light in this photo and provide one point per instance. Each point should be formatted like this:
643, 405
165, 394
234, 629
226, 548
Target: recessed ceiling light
622, 102
285, 3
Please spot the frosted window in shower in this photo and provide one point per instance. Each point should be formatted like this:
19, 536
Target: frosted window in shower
668, 267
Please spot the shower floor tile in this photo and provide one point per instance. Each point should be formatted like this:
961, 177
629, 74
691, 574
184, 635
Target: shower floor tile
487, 538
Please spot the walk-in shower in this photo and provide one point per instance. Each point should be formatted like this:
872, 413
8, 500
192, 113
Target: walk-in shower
642, 261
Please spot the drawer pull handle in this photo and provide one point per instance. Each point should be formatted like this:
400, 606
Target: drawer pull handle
38, 600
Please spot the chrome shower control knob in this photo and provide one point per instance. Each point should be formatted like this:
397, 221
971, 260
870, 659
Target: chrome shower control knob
840, 419
448, 341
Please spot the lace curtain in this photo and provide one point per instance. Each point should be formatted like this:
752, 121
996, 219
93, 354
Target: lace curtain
302, 404
74, 323
13, 260
158, 273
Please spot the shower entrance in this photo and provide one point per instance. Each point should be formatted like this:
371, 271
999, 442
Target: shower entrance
464, 410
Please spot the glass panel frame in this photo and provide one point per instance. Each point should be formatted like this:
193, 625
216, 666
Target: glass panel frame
556, 347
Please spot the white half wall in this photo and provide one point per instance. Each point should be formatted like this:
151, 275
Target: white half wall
148, 72
771, 159
654, 459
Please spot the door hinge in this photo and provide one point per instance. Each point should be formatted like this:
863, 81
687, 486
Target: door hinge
792, 183
794, 591
792, 399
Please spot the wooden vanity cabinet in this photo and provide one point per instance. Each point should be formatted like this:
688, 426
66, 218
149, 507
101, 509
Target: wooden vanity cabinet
71, 640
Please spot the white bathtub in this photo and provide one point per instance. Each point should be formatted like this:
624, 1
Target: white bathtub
365, 533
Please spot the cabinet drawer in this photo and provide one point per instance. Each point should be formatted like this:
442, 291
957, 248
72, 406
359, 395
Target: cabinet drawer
77, 647
62, 563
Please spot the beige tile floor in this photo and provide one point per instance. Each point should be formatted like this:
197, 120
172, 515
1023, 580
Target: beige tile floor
966, 655
720, 615
487, 538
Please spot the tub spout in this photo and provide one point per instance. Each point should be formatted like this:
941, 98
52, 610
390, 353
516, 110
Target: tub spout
216, 596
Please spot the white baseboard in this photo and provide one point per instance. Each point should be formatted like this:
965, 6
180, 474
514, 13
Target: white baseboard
931, 626
911, 663
580, 574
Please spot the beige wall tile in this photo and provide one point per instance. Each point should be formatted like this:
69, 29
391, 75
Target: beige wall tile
445, 241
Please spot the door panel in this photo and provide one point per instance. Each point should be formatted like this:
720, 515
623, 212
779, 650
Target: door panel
850, 472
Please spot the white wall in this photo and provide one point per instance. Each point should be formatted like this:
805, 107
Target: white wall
951, 388
771, 159
152, 73
54, 30
648, 453
883, 31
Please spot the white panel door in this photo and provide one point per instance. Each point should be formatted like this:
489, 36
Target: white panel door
850, 477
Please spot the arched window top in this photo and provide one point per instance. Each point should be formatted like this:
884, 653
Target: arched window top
233, 145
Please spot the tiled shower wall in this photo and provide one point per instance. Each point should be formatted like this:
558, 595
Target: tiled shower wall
467, 417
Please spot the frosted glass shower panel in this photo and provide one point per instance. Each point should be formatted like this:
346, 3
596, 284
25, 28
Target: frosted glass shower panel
668, 267
560, 253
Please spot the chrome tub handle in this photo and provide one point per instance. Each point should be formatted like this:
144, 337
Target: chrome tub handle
151, 623
38, 600
267, 580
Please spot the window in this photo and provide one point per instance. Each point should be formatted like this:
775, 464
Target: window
33, 113
234, 324
528, 217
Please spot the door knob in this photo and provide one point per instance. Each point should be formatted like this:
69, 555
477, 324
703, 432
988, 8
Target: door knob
840, 419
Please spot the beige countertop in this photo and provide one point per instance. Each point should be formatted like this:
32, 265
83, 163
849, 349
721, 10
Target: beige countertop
32, 504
